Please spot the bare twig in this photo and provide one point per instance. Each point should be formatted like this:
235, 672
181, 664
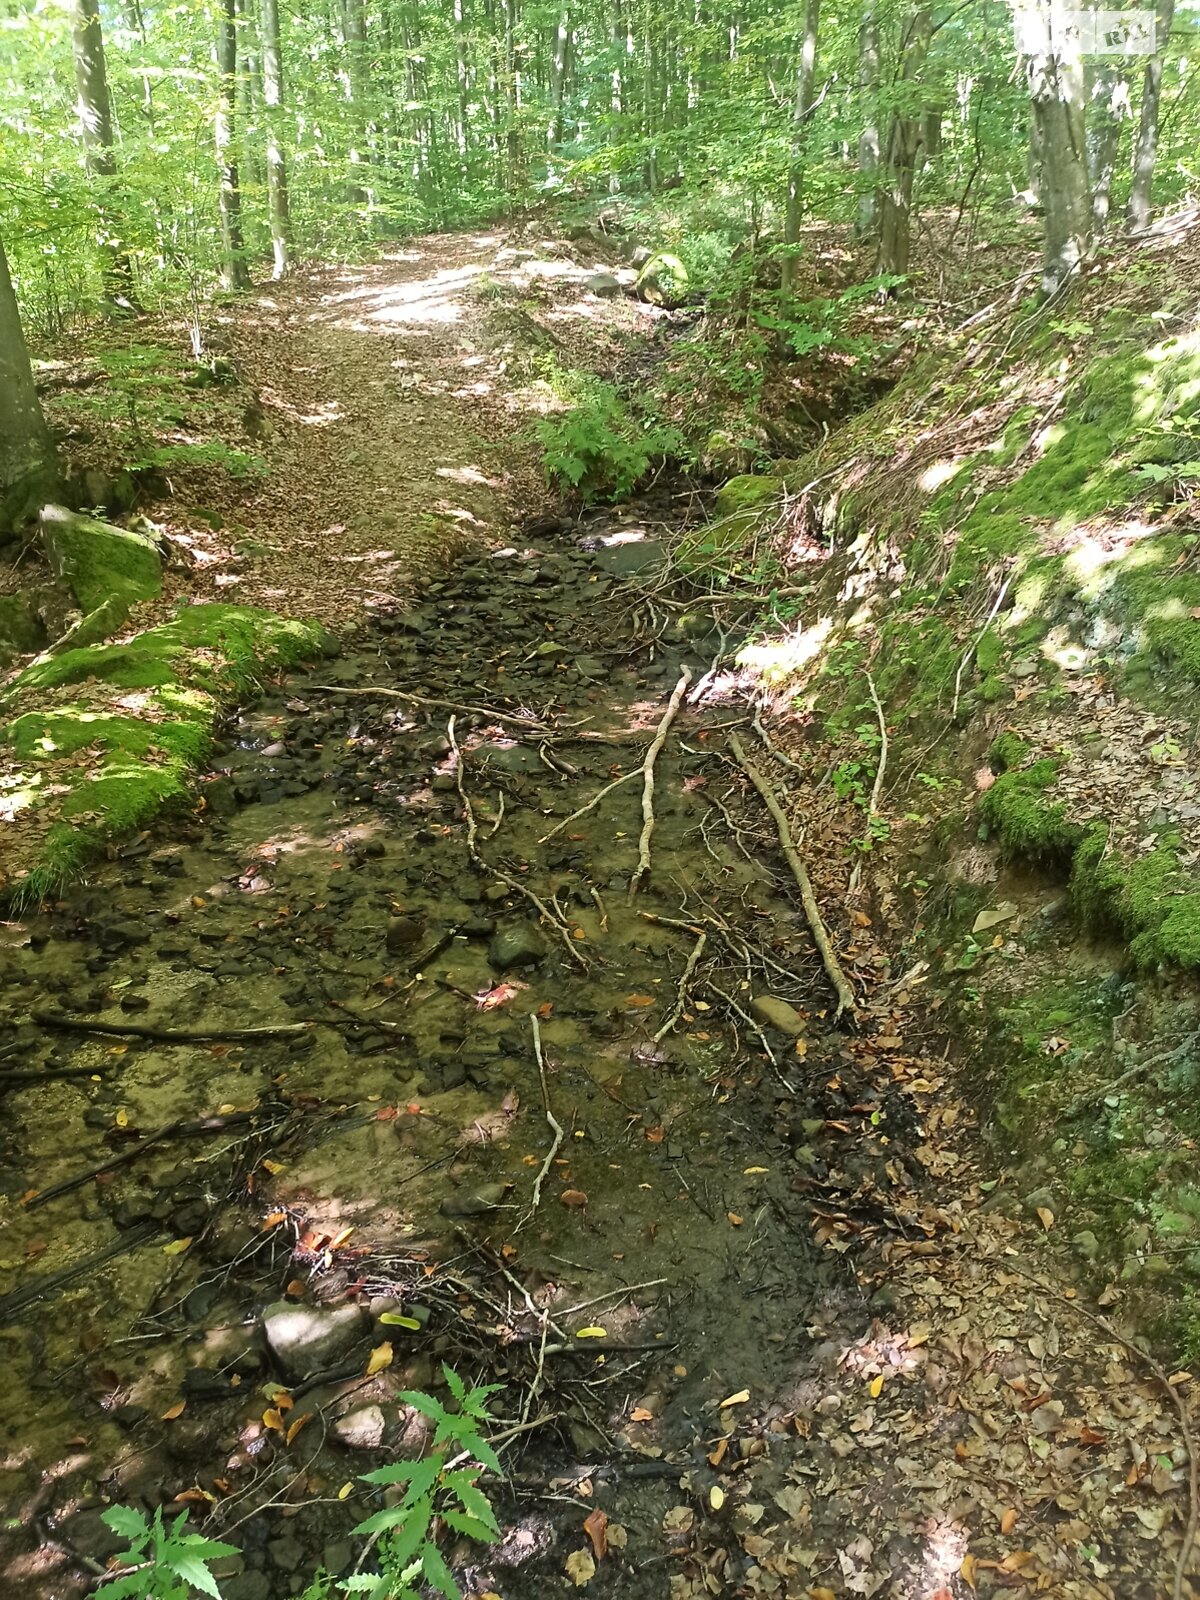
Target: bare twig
969, 652
555, 1128
833, 967
684, 981
877, 788
676, 700
595, 801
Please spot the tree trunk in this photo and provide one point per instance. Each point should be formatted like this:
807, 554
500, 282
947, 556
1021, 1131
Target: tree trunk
867, 218
1108, 107
28, 469
278, 203
354, 27
1054, 67
806, 71
900, 152
1147, 138
234, 275
558, 76
95, 115
462, 72
512, 126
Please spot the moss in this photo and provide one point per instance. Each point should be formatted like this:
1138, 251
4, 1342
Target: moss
189, 667
98, 561
1028, 825
1150, 900
988, 652
747, 493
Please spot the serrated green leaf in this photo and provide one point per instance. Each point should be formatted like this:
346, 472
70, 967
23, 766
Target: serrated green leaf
130, 1524
473, 1499
457, 1387
192, 1569
439, 1575
461, 1523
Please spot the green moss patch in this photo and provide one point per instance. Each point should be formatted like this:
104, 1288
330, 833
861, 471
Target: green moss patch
119, 729
99, 562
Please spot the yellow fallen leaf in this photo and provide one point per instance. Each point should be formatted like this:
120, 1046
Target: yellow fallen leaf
345, 1491
273, 1166
1177, 1378
122, 1118
591, 1333
716, 1497
876, 1387
967, 1571
752, 1172
272, 1419
738, 1399
296, 1426
176, 1247
1008, 1520
821, 1594
381, 1357
174, 1411
735, 1219
1046, 1215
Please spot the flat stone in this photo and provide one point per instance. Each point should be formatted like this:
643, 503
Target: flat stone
519, 944
631, 557
304, 1339
603, 284
778, 1014
287, 1553
361, 1429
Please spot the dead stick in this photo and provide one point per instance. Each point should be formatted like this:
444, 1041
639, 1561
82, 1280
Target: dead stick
877, 787
681, 996
583, 810
555, 1128
170, 1130
833, 967
676, 700
7, 1078
133, 1030
442, 705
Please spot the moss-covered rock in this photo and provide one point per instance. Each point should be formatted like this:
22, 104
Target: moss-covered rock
663, 281
20, 630
98, 561
139, 750
749, 492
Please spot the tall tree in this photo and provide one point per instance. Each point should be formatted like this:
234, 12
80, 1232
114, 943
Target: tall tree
234, 273
898, 169
1107, 110
28, 470
806, 70
94, 108
354, 30
278, 203
867, 218
1054, 66
1146, 149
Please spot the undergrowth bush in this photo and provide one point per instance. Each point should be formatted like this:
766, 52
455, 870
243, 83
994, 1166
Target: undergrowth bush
600, 444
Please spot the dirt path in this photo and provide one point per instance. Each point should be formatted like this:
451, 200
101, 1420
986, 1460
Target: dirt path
772, 1315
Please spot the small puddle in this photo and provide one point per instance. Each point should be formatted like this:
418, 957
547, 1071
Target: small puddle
380, 1151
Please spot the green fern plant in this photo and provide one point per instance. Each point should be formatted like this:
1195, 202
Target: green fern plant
599, 446
168, 1563
437, 1487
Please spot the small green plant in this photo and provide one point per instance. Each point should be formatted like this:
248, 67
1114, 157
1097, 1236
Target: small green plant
168, 1563
599, 446
433, 1487
212, 453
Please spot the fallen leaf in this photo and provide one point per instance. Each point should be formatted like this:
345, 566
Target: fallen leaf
393, 1319
876, 1388
596, 1527
573, 1197
967, 1571
295, 1427
345, 1491
272, 1166
716, 1497
174, 1411
272, 1419
640, 1414
738, 1399
122, 1118
735, 1219
591, 1333
176, 1247
1046, 1216
581, 1568
1008, 1520
381, 1357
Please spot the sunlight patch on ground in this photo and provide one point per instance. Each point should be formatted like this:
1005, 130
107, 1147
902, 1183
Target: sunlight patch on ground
467, 475
776, 659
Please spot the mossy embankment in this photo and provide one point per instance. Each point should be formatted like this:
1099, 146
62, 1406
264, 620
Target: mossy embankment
99, 740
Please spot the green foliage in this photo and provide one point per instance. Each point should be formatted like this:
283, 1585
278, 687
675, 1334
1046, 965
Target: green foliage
212, 453
599, 445
433, 1487
170, 1563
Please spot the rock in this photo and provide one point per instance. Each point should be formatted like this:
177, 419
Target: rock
745, 493
303, 1339
99, 561
403, 934
778, 1014
247, 1586
519, 944
993, 917
337, 1556
287, 1553
663, 281
630, 557
604, 285
474, 1202
737, 511
20, 631
89, 1533
1086, 1245
361, 1429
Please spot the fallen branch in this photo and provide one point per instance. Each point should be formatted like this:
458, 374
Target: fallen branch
555, 1128
439, 705
876, 789
134, 1030
1096, 1096
583, 810
170, 1130
45, 1076
682, 993
833, 967
47, 1285
676, 700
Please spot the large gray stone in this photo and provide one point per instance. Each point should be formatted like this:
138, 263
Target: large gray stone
630, 557
518, 944
604, 285
361, 1429
305, 1339
775, 1013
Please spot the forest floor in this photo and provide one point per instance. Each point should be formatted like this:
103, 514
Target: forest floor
761, 1327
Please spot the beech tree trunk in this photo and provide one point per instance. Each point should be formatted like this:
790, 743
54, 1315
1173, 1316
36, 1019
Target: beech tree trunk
899, 164
806, 71
278, 203
867, 217
234, 273
95, 116
28, 468
1108, 108
1055, 70
1146, 148
558, 76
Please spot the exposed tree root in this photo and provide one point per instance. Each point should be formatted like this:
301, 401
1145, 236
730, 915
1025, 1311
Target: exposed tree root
676, 700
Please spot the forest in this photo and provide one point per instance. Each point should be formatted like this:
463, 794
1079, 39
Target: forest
599, 799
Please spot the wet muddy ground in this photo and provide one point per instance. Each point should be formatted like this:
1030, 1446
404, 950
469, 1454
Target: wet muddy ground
398, 886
